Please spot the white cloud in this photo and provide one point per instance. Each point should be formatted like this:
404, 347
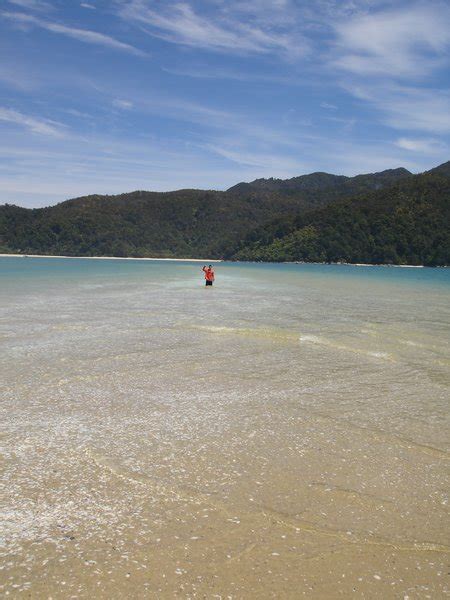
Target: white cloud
408, 108
40, 126
78, 113
86, 5
277, 165
406, 42
15, 76
263, 12
82, 35
221, 31
206, 72
38, 5
424, 146
328, 106
123, 104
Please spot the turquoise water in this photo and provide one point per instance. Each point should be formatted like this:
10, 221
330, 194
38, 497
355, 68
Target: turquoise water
333, 302
138, 405
15, 268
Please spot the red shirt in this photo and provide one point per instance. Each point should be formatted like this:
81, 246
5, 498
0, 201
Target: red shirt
209, 274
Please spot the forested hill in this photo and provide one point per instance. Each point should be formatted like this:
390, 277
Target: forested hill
407, 223
185, 223
249, 221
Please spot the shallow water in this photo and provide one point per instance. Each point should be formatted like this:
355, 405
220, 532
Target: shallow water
283, 434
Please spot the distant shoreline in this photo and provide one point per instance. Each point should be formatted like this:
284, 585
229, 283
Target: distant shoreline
217, 260
201, 260
347, 264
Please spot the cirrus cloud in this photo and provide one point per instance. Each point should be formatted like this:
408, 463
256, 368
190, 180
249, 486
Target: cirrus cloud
424, 146
406, 42
33, 124
82, 35
221, 31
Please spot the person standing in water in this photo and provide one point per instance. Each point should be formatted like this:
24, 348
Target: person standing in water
209, 274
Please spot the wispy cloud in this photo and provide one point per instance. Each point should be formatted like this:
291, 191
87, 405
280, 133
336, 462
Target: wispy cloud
122, 104
408, 108
218, 121
264, 13
424, 146
208, 72
38, 5
82, 35
86, 5
328, 106
407, 42
278, 165
221, 31
16, 77
33, 124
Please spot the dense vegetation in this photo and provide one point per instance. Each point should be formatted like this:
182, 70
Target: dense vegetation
391, 216
407, 223
184, 223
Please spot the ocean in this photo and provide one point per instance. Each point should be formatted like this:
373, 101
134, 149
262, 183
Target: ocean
282, 434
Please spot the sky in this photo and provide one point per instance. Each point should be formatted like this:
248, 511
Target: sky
104, 97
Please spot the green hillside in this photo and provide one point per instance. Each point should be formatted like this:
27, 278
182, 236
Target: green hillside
407, 223
174, 224
183, 223
392, 216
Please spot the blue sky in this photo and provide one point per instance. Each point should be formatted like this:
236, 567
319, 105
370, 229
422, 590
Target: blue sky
112, 96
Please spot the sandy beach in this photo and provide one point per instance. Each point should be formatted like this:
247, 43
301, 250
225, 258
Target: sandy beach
202, 260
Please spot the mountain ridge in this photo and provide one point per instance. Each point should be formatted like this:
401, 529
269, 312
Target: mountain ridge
398, 171
320, 179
